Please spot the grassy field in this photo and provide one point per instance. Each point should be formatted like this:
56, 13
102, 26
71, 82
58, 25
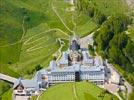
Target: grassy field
76, 91
35, 27
110, 7
5, 91
4, 86
29, 30
21, 20
7, 95
131, 32
84, 24
9, 71
38, 47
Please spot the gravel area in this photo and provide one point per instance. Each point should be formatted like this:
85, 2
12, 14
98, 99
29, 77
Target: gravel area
130, 3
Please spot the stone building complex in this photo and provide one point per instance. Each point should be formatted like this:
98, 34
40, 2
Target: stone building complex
76, 64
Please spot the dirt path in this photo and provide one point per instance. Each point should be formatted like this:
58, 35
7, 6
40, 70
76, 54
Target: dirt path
33, 49
39, 95
74, 91
57, 14
54, 29
23, 29
85, 41
46, 39
22, 40
59, 50
11, 44
74, 23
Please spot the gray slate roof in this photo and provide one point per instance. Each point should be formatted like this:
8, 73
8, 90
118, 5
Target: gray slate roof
74, 46
27, 84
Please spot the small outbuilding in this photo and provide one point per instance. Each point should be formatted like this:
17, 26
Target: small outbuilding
26, 87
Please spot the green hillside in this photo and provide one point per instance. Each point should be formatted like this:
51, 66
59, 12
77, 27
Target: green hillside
30, 31
4, 86
131, 33
28, 28
76, 91
7, 95
111, 7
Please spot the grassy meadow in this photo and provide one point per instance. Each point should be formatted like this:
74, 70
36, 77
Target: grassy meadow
131, 32
30, 29
7, 95
111, 7
76, 91
29, 32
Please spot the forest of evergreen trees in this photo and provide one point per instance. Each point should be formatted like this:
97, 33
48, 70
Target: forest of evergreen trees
113, 43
